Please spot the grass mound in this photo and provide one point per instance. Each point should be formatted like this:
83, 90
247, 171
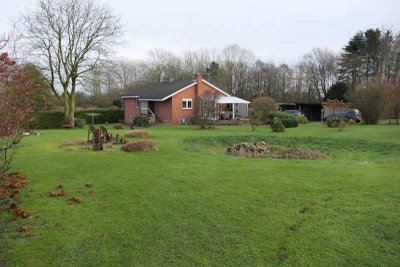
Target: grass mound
336, 148
148, 145
139, 134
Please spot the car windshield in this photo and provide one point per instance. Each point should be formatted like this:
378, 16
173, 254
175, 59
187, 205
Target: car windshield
292, 111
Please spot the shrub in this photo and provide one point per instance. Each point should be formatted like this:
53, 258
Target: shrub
259, 110
118, 126
301, 119
140, 121
47, 120
277, 126
80, 123
147, 145
369, 100
137, 134
290, 123
280, 115
54, 119
334, 122
106, 115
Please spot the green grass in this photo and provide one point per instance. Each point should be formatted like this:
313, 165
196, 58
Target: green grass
191, 204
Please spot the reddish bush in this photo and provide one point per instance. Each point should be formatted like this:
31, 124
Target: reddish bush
148, 145
139, 134
16, 106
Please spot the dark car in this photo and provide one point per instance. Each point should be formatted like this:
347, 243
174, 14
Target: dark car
294, 112
347, 114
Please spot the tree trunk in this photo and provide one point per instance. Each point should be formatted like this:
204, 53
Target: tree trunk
71, 111
66, 106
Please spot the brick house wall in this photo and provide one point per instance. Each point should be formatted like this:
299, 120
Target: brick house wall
130, 109
192, 92
163, 110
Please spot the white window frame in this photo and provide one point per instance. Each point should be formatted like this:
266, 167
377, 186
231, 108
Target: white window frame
187, 100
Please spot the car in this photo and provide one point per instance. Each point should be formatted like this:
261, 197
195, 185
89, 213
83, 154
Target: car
345, 113
294, 112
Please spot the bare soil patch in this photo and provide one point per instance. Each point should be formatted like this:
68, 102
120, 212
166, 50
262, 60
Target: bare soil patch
262, 150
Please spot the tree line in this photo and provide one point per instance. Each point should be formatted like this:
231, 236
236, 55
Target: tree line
373, 55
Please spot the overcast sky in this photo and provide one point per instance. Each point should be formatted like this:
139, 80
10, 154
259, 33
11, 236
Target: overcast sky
281, 31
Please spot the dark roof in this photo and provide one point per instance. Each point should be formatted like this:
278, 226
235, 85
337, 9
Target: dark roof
157, 90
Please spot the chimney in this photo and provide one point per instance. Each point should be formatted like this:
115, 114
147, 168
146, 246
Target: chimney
199, 86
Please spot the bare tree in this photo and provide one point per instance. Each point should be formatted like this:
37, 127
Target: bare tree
206, 108
69, 38
320, 69
260, 109
236, 63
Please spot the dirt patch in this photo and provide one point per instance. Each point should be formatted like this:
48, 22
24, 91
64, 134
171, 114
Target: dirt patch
24, 228
262, 150
58, 193
75, 200
22, 213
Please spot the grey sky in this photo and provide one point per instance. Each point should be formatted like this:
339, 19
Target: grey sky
275, 30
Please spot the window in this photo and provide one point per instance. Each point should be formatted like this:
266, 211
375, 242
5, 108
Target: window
187, 103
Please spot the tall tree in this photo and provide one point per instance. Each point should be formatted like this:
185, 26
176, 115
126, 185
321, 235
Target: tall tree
69, 38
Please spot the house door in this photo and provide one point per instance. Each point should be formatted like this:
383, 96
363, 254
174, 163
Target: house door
144, 105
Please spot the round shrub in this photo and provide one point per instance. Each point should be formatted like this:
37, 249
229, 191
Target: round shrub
277, 126
301, 119
140, 121
118, 126
334, 122
80, 123
290, 123
147, 145
139, 134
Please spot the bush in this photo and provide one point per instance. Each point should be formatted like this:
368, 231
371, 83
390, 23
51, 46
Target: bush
259, 110
277, 126
369, 100
280, 115
118, 126
106, 115
54, 119
148, 145
47, 120
333, 122
137, 134
80, 123
301, 119
140, 121
290, 123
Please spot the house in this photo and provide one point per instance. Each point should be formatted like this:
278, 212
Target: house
174, 101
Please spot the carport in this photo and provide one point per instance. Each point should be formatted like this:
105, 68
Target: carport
240, 107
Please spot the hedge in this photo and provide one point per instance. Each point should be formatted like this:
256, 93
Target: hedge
280, 115
290, 123
54, 119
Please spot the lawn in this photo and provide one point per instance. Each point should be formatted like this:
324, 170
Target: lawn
191, 204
